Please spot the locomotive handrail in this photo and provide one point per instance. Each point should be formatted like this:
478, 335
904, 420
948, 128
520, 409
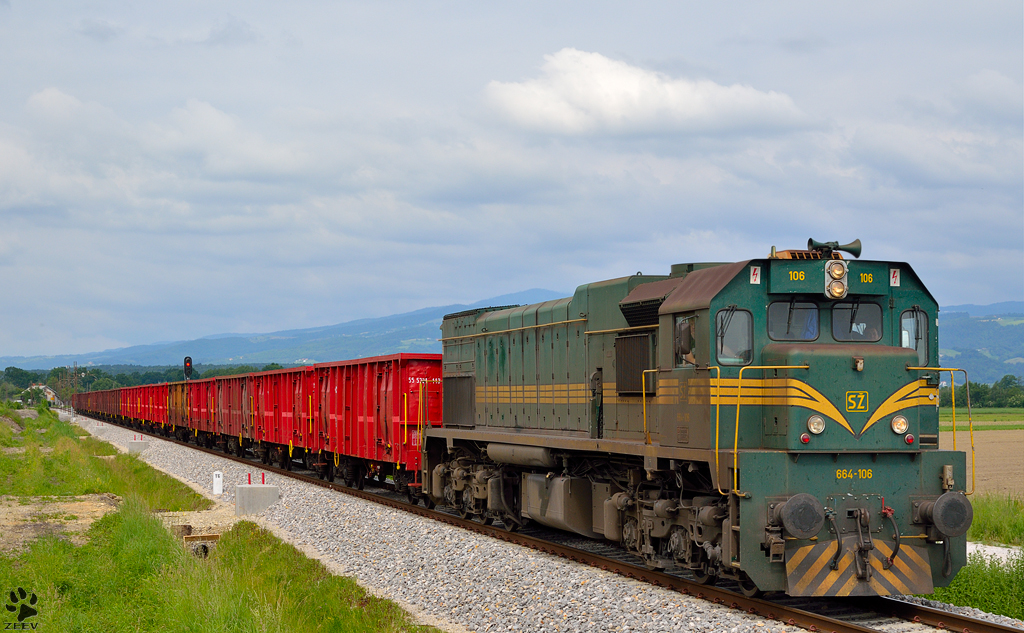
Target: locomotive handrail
643, 394
970, 417
736, 438
718, 405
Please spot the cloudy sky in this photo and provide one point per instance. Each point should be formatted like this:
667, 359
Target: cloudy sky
174, 170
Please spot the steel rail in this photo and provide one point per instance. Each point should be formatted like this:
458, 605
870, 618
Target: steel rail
786, 614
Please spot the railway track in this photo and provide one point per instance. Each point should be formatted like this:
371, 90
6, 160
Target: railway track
849, 615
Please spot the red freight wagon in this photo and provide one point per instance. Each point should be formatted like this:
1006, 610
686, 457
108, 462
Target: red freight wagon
232, 411
104, 404
373, 412
201, 401
282, 414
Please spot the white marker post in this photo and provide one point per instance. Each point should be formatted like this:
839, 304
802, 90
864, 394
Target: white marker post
218, 482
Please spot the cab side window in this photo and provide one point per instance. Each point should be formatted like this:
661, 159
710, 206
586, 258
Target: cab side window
914, 333
734, 336
684, 342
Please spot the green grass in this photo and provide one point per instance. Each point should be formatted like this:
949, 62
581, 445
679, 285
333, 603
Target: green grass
133, 575
997, 520
74, 467
981, 414
964, 427
989, 585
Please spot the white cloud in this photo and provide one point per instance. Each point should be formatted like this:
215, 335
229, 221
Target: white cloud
580, 92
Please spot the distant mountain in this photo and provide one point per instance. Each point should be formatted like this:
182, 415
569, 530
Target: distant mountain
987, 341
1004, 307
416, 331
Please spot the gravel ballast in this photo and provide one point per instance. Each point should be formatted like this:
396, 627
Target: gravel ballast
445, 576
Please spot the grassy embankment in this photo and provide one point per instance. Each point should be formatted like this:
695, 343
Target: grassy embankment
132, 575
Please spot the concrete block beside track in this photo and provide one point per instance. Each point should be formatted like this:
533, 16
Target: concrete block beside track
253, 498
137, 446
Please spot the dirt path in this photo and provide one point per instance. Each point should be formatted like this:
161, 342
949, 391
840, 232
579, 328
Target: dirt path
999, 455
24, 519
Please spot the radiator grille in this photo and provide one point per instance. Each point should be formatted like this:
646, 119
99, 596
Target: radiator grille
459, 403
632, 358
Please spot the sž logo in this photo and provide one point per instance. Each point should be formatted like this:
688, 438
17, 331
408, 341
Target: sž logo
22, 603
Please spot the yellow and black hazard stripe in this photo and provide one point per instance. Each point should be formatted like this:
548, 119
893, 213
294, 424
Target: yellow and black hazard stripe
809, 570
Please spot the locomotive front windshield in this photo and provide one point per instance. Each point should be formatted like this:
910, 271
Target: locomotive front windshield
792, 321
857, 322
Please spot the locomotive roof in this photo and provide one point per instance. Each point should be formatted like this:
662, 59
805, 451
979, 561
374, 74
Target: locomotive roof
696, 290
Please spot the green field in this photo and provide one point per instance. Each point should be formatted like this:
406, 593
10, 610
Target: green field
981, 414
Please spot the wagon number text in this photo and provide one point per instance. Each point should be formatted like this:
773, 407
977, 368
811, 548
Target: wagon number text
860, 473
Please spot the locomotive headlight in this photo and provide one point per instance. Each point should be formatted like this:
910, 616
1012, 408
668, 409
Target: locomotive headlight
816, 424
836, 270
837, 290
899, 425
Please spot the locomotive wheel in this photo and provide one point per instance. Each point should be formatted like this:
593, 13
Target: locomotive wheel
428, 502
509, 525
749, 589
704, 578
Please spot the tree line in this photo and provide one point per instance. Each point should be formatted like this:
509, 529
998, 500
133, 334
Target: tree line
1005, 392
15, 382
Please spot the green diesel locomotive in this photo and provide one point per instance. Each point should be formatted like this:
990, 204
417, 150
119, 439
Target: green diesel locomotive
772, 421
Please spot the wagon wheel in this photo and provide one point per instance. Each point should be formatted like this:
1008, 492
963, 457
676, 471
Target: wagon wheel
411, 495
265, 456
240, 451
348, 475
360, 478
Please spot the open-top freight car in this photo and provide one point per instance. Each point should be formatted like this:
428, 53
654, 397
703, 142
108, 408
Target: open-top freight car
353, 419
772, 421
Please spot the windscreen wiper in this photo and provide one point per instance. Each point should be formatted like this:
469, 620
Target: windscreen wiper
724, 326
789, 317
853, 315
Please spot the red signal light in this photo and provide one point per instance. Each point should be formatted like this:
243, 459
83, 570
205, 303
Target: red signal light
805, 438
909, 438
